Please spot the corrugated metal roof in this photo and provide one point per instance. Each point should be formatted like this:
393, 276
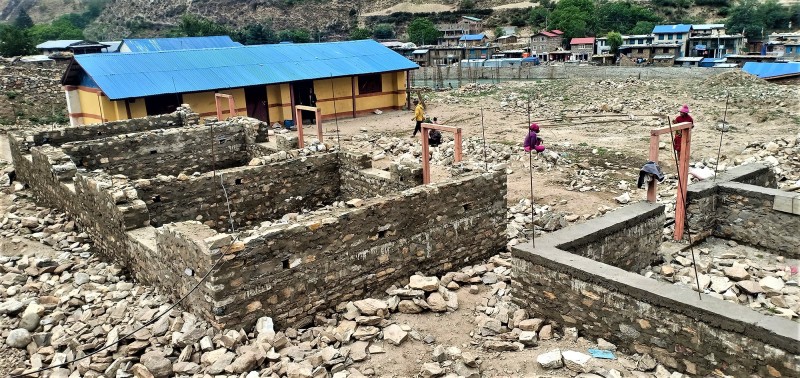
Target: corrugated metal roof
134, 75
58, 44
183, 43
771, 70
581, 41
472, 37
678, 28
472, 18
113, 46
707, 26
420, 51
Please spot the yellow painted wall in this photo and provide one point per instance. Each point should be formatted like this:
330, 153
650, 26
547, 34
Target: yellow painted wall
204, 103
341, 89
138, 108
275, 97
286, 99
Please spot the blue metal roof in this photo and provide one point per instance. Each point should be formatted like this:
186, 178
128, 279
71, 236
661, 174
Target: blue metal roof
183, 43
472, 37
770, 70
679, 28
144, 74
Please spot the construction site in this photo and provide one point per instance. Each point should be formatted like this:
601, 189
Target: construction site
206, 243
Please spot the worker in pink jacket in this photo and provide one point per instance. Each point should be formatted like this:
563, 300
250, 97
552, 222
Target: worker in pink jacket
532, 141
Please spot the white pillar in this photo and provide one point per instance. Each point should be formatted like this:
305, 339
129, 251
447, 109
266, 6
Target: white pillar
73, 106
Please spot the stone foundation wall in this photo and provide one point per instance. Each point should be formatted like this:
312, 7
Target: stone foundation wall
642, 315
745, 214
30, 93
256, 193
170, 152
292, 271
628, 238
739, 206
360, 180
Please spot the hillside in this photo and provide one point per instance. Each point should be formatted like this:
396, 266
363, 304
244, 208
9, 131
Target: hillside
332, 19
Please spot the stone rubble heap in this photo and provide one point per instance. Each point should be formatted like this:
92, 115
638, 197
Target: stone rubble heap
23, 219
738, 274
782, 154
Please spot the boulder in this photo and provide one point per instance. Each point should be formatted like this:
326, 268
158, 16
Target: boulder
424, 283
394, 335
550, 360
19, 338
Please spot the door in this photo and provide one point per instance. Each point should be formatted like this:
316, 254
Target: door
162, 104
256, 99
302, 96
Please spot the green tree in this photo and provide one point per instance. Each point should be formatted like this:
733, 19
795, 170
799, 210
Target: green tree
197, 26
614, 41
574, 17
775, 16
537, 17
643, 27
360, 33
23, 20
383, 31
422, 31
256, 34
498, 32
14, 41
58, 29
746, 16
294, 35
622, 16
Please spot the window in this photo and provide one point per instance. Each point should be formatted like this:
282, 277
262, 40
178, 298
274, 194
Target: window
370, 84
661, 37
679, 36
665, 50
641, 41
640, 51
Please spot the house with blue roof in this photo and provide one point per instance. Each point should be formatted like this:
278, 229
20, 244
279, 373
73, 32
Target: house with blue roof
473, 39
775, 72
452, 32
672, 35
266, 81
181, 43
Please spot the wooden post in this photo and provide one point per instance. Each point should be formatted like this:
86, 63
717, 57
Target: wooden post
231, 105
408, 90
299, 125
652, 187
426, 164
352, 92
683, 174
291, 100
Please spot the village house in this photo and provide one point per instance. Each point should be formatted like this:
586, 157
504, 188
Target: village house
452, 32
582, 48
74, 46
473, 40
183, 43
543, 42
507, 40
266, 81
672, 34
711, 41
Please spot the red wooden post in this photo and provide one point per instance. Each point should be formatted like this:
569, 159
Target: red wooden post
457, 149
231, 105
426, 161
683, 182
318, 114
652, 187
299, 125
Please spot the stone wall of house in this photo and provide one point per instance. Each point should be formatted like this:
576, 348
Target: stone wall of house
30, 93
256, 193
642, 315
628, 238
701, 214
168, 152
360, 180
292, 271
746, 214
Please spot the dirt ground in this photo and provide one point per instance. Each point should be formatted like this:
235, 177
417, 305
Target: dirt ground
599, 125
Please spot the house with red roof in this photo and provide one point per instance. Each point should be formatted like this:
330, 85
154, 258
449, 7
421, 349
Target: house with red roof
545, 42
582, 48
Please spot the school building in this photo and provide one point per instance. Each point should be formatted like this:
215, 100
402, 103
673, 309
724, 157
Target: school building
266, 81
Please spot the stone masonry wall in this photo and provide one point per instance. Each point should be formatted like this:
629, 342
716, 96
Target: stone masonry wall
643, 315
168, 152
30, 93
628, 238
745, 214
701, 214
292, 271
256, 193
360, 180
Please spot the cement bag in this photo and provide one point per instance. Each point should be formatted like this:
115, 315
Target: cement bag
701, 173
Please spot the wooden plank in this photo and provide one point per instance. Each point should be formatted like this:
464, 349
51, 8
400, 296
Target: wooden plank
683, 173
652, 187
675, 127
299, 125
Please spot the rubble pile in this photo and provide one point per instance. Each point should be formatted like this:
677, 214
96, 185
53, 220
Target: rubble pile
782, 154
733, 78
736, 273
